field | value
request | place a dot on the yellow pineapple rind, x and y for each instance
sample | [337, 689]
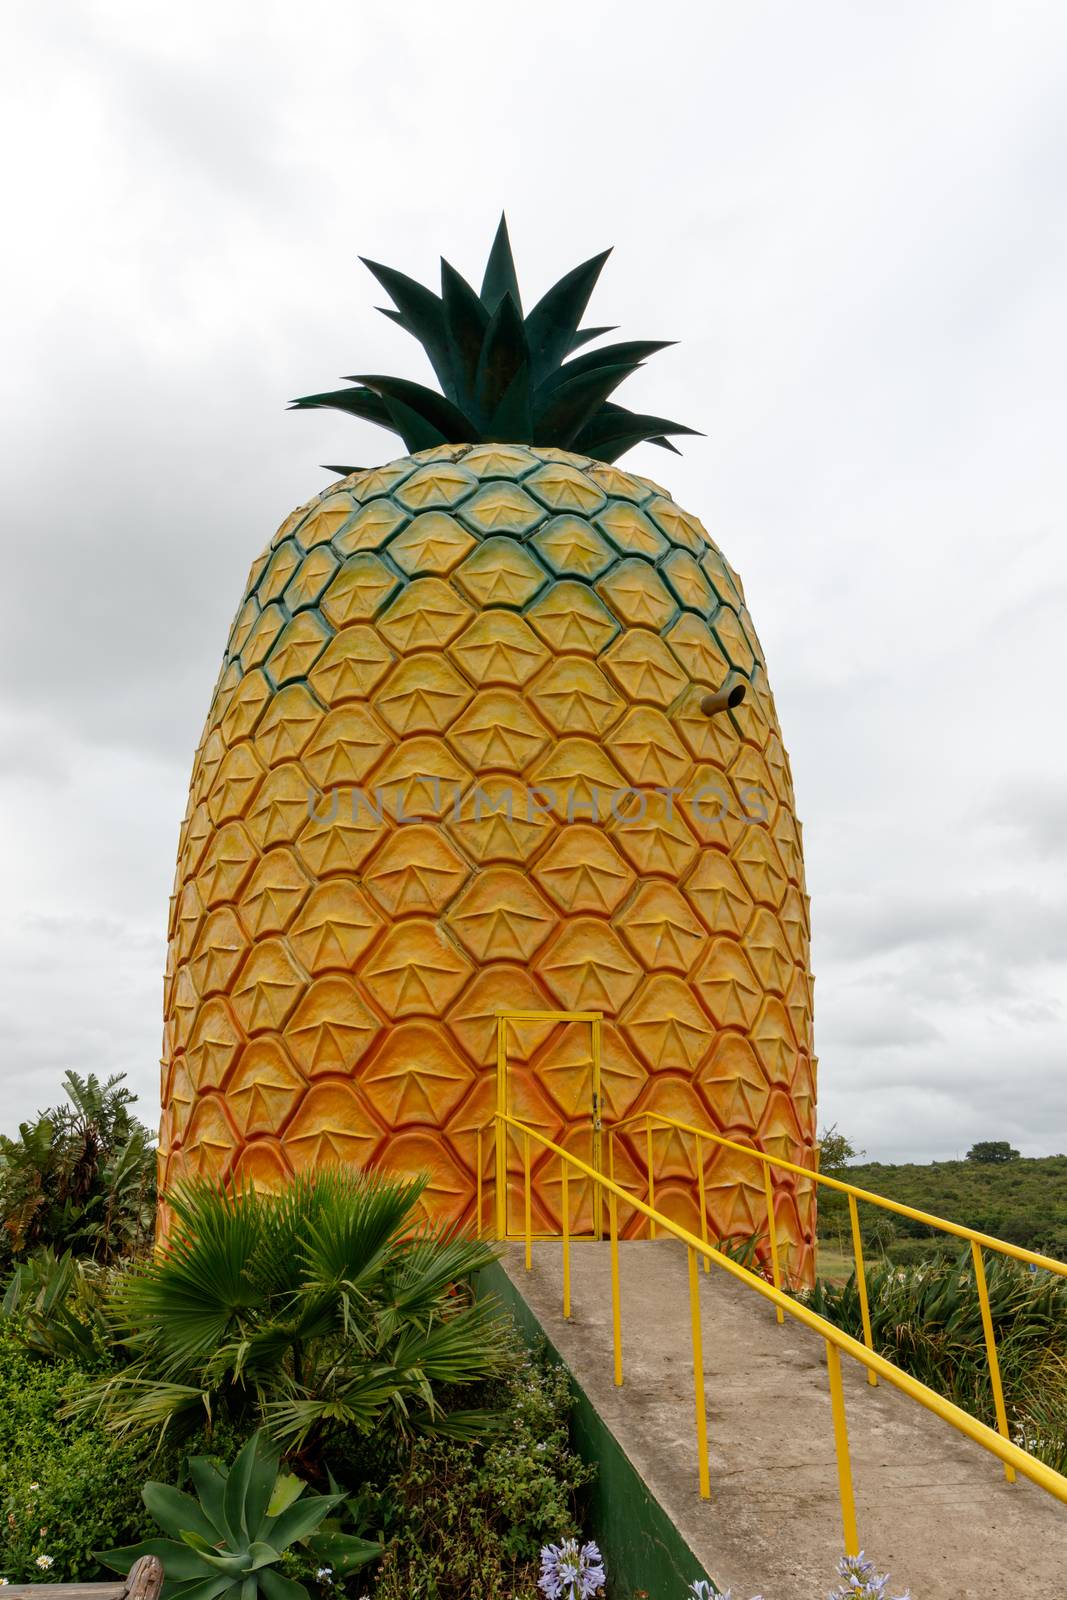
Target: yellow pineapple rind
[493, 618]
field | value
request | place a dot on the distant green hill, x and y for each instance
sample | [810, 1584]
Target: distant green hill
[1023, 1201]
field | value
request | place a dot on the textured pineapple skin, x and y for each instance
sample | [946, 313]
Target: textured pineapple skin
[508, 619]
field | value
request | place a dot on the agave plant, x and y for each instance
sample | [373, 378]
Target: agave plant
[328, 1305]
[228, 1541]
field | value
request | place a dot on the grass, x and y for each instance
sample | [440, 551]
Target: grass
[833, 1263]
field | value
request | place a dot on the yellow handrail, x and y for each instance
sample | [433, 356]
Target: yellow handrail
[986, 1240]
[861, 1271]
[698, 1378]
[837, 1341]
[977, 1240]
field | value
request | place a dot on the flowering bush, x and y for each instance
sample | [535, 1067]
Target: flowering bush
[63, 1489]
[859, 1581]
[571, 1572]
[67, 1486]
[708, 1589]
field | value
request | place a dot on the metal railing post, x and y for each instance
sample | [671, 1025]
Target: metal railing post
[844, 1465]
[500, 1129]
[566, 1245]
[478, 1143]
[616, 1308]
[772, 1233]
[991, 1350]
[703, 1200]
[596, 1043]
[861, 1282]
[503, 1119]
[527, 1204]
[698, 1378]
[651, 1180]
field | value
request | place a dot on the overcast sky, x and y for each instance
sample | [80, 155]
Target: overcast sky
[851, 215]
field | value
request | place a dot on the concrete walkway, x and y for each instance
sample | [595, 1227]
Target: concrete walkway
[933, 1508]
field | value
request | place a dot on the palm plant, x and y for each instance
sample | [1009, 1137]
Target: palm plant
[80, 1176]
[326, 1306]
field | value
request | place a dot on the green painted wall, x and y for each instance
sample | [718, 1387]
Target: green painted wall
[644, 1553]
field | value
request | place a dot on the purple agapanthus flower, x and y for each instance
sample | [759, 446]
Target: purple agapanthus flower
[861, 1582]
[708, 1589]
[570, 1573]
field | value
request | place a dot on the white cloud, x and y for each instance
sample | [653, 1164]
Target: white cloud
[853, 220]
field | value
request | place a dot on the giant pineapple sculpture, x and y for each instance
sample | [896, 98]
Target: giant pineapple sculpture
[459, 761]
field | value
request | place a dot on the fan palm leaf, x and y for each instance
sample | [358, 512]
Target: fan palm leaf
[328, 1304]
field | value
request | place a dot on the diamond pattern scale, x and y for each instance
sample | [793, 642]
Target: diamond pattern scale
[456, 764]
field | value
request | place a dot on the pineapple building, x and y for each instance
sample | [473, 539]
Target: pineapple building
[469, 755]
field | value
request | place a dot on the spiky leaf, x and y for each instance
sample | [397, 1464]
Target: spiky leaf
[344, 1552]
[500, 276]
[210, 1486]
[209, 1588]
[421, 311]
[180, 1563]
[503, 377]
[179, 1513]
[288, 1487]
[278, 1587]
[554, 320]
[302, 1518]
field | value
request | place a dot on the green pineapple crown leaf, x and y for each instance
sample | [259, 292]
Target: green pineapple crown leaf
[504, 378]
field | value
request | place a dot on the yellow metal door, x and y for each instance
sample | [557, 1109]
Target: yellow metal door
[548, 1094]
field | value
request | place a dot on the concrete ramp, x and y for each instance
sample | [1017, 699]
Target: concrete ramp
[932, 1507]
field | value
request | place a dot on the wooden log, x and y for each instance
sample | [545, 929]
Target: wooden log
[65, 1591]
[143, 1582]
[145, 1579]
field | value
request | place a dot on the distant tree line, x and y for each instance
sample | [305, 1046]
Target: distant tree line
[1020, 1199]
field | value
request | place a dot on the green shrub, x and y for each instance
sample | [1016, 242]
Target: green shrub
[461, 1518]
[67, 1476]
[56, 1306]
[63, 1490]
[470, 1519]
[329, 1315]
[1023, 1200]
[915, 1252]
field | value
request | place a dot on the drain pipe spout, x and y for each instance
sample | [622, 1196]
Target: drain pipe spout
[725, 699]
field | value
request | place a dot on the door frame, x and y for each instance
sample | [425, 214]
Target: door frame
[503, 1018]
